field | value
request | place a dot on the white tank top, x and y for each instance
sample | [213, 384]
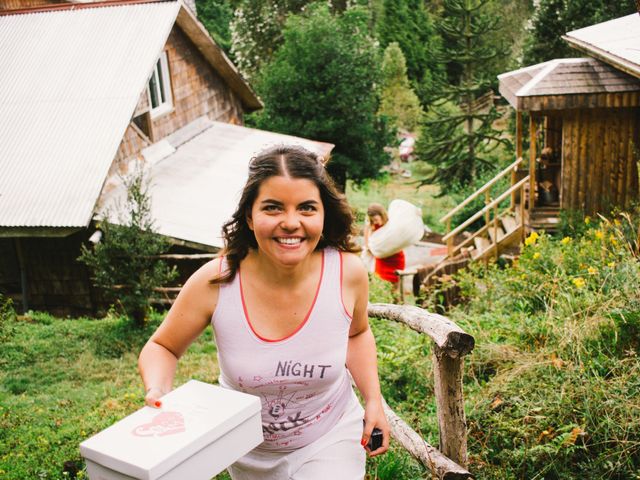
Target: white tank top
[301, 379]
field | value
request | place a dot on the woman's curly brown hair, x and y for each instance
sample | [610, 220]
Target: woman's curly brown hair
[295, 162]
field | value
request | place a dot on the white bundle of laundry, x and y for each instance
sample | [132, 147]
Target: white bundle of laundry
[404, 228]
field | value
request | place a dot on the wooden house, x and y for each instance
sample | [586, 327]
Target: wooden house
[90, 89]
[583, 119]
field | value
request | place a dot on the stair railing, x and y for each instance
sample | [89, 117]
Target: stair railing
[486, 210]
[486, 189]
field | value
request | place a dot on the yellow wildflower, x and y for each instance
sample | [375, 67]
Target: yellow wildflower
[536, 255]
[613, 239]
[617, 222]
[579, 282]
[531, 239]
[599, 234]
[587, 220]
[592, 270]
[611, 264]
[565, 240]
[523, 276]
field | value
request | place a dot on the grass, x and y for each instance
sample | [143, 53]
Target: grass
[62, 380]
[390, 187]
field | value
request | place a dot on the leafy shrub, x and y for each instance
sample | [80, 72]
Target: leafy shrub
[552, 386]
[7, 318]
[125, 264]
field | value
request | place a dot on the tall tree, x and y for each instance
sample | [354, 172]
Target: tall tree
[408, 23]
[459, 133]
[257, 29]
[216, 16]
[322, 83]
[554, 18]
[399, 101]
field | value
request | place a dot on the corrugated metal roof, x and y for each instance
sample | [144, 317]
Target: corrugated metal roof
[566, 76]
[70, 82]
[197, 188]
[616, 42]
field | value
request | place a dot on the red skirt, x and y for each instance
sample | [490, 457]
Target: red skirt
[385, 267]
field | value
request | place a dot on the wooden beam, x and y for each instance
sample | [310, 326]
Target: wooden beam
[448, 336]
[441, 466]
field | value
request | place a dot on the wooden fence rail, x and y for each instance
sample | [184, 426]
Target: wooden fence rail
[450, 345]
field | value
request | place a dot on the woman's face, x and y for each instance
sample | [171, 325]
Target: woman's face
[287, 218]
[376, 220]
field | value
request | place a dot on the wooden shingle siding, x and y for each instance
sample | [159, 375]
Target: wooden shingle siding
[18, 4]
[599, 159]
[197, 89]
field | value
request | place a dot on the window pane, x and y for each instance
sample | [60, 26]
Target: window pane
[161, 83]
[153, 90]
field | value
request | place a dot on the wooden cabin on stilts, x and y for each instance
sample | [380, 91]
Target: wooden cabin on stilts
[577, 146]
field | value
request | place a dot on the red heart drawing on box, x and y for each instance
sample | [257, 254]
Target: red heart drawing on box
[165, 423]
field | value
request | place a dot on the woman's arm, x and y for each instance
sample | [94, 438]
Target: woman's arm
[188, 317]
[361, 352]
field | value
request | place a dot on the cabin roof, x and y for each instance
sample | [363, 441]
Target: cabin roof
[71, 78]
[196, 176]
[580, 78]
[615, 42]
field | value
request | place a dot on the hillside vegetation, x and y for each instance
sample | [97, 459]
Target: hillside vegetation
[552, 388]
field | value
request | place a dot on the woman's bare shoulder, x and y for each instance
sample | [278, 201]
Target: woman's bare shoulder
[353, 270]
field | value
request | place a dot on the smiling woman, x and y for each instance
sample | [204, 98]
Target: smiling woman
[288, 305]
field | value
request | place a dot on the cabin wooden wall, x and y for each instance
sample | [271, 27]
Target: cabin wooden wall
[599, 159]
[197, 90]
[56, 282]
[18, 4]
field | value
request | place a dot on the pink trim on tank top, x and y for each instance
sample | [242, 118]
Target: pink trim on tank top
[341, 297]
[299, 327]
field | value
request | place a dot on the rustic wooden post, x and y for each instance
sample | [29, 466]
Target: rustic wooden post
[521, 224]
[495, 228]
[514, 177]
[450, 344]
[449, 240]
[532, 162]
[447, 372]
[487, 201]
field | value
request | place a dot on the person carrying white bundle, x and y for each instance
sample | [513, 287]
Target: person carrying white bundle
[387, 235]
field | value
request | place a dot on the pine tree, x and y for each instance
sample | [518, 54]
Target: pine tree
[409, 24]
[457, 135]
[398, 100]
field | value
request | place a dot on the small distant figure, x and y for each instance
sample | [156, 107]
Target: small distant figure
[385, 267]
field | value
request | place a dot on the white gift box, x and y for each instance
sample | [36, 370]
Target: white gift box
[200, 430]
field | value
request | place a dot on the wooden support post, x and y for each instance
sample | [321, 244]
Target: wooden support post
[495, 229]
[450, 240]
[514, 177]
[487, 201]
[532, 163]
[430, 457]
[450, 405]
[521, 224]
[24, 285]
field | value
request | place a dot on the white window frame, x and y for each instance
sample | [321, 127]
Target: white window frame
[159, 88]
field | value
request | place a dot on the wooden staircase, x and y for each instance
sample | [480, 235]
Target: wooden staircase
[545, 218]
[503, 228]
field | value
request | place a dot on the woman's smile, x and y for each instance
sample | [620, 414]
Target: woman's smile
[287, 218]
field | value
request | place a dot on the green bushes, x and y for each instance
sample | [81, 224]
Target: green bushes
[552, 388]
[125, 264]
